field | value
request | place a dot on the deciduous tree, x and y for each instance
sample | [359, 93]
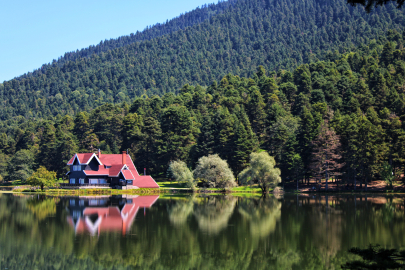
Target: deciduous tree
[326, 153]
[261, 171]
[42, 177]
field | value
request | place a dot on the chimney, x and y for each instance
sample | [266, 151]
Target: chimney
[124, 157]
[144, 171]
[99, 153]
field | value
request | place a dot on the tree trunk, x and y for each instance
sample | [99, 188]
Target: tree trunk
[365, 184]
[354, 175]
[42, 188]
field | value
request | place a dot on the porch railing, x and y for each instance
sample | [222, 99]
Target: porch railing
[83, 185]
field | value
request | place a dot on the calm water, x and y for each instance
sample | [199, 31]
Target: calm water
[195, 232]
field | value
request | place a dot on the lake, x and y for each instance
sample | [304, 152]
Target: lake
[194, 232]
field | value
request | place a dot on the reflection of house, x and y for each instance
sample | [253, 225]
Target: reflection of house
[106, 170]
[95, 215]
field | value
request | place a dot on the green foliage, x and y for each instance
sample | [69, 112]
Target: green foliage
[42, 177]
[20, 166]
[361, 95]
[198, 47]
[261, 171]
[214, 172]
[181, 173]
[387, 174]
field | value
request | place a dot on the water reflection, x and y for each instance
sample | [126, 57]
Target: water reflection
[106, 214]
[262, 215]
[193, 232]
[213, 213]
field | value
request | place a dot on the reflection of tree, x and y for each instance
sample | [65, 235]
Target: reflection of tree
[213, 213]
[42, 207]
[310, 234]
[179, 212]
[262, 214]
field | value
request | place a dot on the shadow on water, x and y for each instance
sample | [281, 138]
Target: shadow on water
[120, 232]
[375, 257]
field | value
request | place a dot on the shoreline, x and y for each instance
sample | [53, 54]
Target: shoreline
[174, 191]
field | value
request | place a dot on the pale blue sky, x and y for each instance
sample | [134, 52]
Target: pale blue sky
[33, 33]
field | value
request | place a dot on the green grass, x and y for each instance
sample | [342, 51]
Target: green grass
[171, 184]
[253, 189]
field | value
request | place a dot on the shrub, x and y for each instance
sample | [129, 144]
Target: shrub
[182, 174]
[215, 172]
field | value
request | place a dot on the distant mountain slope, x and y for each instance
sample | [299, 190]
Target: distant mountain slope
[191, 18]
[273, 33]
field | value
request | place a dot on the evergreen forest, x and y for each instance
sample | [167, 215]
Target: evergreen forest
[350, 106]
[196, 48]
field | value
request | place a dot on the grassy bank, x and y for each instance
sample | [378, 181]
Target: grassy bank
[176, 186]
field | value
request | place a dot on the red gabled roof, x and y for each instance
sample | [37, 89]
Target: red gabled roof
[115, 170]
[128, 175]
[145, 182]
[99, 172]
[83, 158]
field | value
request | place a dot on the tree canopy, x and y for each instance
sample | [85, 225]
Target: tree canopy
[261, 171]
[42, 177]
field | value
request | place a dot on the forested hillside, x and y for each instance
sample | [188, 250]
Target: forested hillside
[278, 34]
[183, 21]
[354, 103]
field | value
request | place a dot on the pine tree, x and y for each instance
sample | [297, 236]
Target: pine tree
[255, 110]
[152, 137]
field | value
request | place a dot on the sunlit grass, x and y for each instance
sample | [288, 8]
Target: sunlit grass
[171, 184]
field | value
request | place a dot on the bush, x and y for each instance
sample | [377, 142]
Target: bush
[182, 174]
[214, 172]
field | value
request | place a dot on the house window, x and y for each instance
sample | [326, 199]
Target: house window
[81, 180]
[129, 182]
[77, 168]
[72, 180]
[93, 181]
[102, 181]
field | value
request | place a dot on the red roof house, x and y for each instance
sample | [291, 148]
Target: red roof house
[108, 170]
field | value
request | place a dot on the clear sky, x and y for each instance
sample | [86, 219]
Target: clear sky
[33, 33]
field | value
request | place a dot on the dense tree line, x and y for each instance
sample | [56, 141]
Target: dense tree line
[348, 112]
[236, 38]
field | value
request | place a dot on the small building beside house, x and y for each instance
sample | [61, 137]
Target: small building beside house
[106, 170]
